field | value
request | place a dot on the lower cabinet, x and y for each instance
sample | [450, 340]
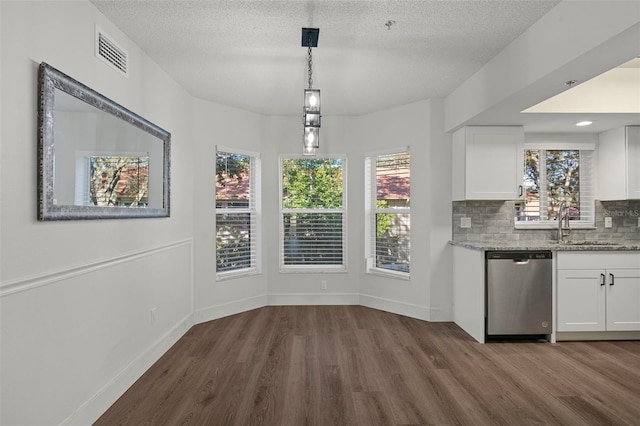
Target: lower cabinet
[468, 291]
[598, 291]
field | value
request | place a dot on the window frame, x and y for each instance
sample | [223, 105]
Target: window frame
[254, 209]
[371, 210]
[341, 268]
[587, 166]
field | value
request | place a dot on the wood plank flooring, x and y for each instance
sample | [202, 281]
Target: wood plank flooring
[351, 365]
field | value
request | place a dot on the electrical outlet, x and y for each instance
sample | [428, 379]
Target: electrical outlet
[153, 315]
[608, 222]
[465, 222]
[323, 285]
[639, 222]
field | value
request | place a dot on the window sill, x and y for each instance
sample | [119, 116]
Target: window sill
[229, 275]
[406, 276]
[312, 270]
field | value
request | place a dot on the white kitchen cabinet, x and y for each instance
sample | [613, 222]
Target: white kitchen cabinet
[598, 291]
[468, 291]
[619, 164]
[488, 163]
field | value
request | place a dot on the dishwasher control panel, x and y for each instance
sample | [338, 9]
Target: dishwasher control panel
[524, 255]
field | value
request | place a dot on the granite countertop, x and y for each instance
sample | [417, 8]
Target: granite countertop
[550, 245]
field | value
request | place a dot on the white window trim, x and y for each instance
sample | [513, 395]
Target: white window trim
[256, 176]
[370, 223]
[579, 146]
[297, 269]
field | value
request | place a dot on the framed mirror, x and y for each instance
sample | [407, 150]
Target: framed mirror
[97, 159]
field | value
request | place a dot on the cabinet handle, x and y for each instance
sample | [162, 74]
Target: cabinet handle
[601, 279]
[520, 191]
[611, 279]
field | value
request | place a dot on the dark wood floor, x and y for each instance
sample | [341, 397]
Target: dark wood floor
[351, 365]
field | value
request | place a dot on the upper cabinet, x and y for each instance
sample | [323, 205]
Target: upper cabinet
[488, 163]
[619, 164]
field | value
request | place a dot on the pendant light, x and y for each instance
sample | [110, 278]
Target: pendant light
[311, 104]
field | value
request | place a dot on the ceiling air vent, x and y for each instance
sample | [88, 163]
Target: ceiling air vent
[111, 53]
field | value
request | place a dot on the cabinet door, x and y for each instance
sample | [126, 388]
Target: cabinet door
[633, 162]
[623, 299]
[612, 165]
[619, 164]
[581, 300]
[494, 163]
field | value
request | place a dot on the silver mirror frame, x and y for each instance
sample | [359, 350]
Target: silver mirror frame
[50, 79]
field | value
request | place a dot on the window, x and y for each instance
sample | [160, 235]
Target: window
[313, 214]
[553, 176]
[387, 210]
[237, 213]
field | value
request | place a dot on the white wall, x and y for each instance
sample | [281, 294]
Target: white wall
[427, 294]
[284, 136]
[76, 296]
[219, 125]
[440, 216]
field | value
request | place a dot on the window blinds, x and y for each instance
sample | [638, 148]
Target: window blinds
[388, 199]
[237, 214]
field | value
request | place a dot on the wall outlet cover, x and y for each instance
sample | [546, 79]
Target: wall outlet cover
[608, 222]
[639, 222]
[465, 222]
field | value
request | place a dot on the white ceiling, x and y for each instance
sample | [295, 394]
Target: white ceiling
[609, 92]
[248, 54]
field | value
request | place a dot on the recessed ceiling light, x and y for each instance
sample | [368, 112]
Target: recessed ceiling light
[584, 123]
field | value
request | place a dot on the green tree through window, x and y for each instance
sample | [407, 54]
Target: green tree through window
[550, 178]
[312, 212]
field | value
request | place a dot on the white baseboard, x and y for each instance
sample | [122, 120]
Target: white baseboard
[95, 406]
[440, 314]
[313, 299]
[393, 306]
[211, 313]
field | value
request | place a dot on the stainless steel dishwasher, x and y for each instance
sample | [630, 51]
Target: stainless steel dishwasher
[518, 294]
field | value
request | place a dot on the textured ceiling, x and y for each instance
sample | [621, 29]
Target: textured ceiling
[248, 54]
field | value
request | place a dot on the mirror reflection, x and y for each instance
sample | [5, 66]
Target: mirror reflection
[98, 160]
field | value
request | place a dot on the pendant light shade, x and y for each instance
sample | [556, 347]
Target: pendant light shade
[312, 108]
[311, 137]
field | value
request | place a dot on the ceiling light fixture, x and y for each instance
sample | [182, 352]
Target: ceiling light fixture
[311, 107]
[584, 123]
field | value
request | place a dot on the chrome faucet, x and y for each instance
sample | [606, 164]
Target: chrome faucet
[561, 229]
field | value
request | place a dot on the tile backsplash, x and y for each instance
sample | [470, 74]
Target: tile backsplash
[494, 220]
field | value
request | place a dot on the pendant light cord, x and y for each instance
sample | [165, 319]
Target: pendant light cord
[310, 63]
